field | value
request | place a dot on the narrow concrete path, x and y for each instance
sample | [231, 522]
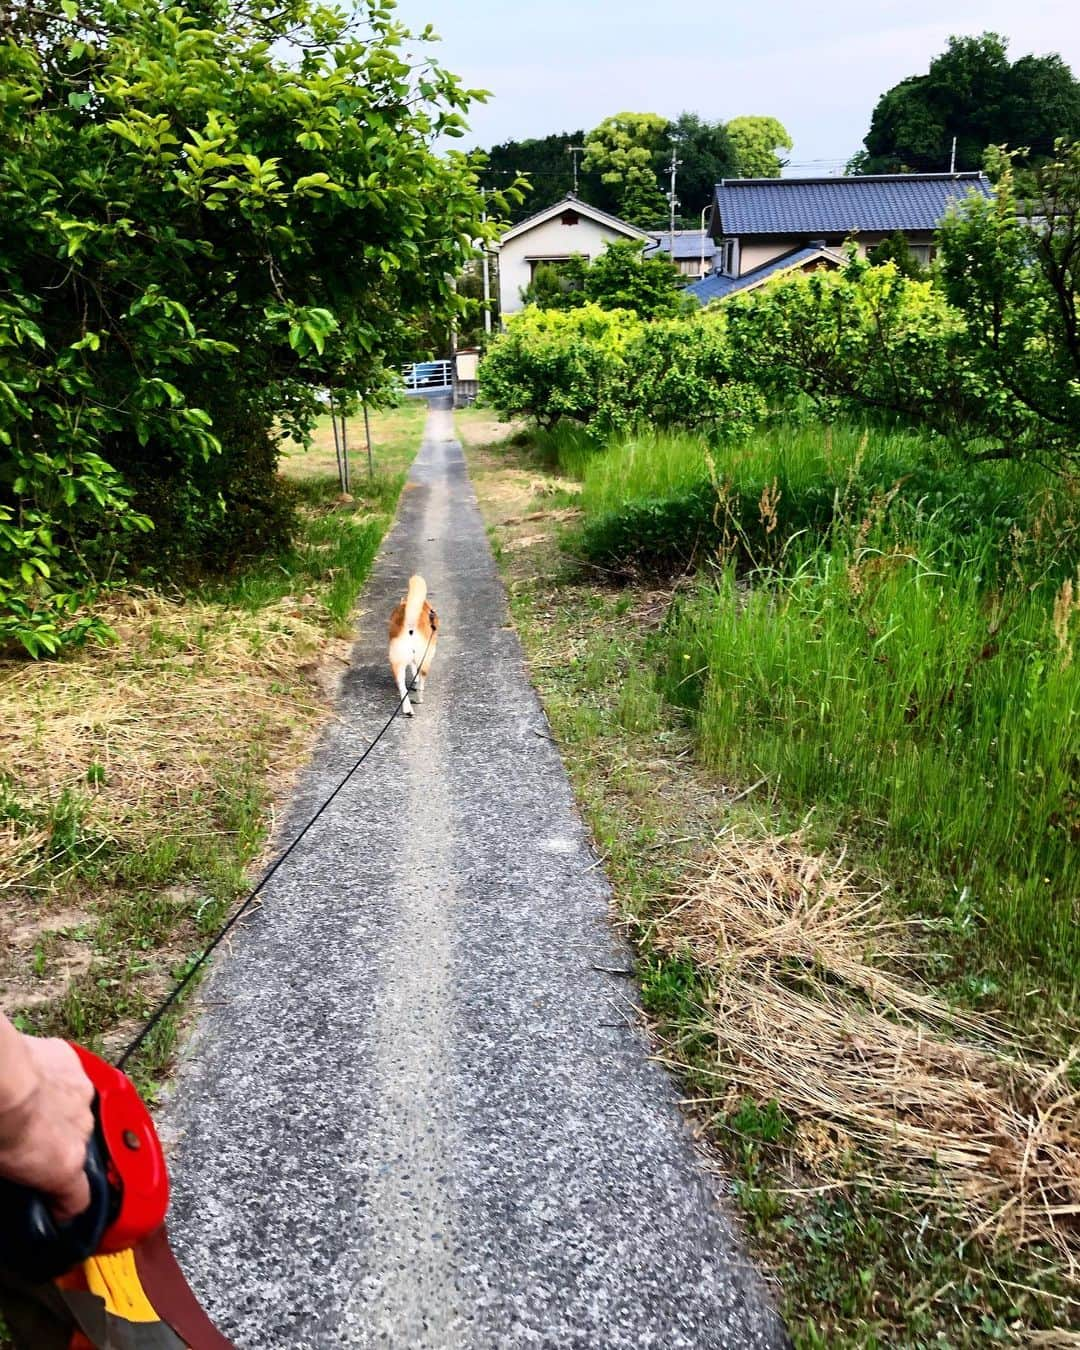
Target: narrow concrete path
[414, 1113]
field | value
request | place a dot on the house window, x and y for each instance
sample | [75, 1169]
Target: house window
[921, 253]
[569, 217]
[557, 263]
[724, 257]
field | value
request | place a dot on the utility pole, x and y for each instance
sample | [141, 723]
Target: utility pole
[573, 151]
[673, 201]
[952, 161]
[487, 277]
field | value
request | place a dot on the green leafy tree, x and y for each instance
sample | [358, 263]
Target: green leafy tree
[1015, 279]
[896, 250]
[557, 285]
[620, 278]
[547, 167]
[757, 143]
[707, 155]
[863, 337]
[624, 150]
[974, 93]
[211, 213]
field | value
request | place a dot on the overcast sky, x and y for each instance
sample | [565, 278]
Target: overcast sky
[820, 68]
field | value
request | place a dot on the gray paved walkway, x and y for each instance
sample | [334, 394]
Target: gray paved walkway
[413, 1114]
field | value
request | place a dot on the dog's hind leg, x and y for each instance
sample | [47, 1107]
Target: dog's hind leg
[398, 669]
[422, 677]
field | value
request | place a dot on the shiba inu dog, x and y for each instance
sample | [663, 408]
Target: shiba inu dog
[414, 628]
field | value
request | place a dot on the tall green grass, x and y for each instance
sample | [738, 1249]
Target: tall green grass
[642, 466]
[926, 713]
[877, 638]
[658, 503]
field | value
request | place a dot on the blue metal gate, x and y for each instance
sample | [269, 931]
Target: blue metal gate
[422, 378]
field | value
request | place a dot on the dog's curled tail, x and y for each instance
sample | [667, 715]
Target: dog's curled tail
[414, 602]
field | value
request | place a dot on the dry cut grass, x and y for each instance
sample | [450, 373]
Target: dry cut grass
[146, 740]
[885, 1084]
[152, 711]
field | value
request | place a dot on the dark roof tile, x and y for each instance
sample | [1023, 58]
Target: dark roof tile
[717, 286]
[687, 244]
[839, 206]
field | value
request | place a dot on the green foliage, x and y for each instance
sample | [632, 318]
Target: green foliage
[985, 352]
[623, 150]
[757, 142]
[552, 363]
[895, 249]
[626, 169]
[547, 167]
[974, 93]
[200, 232]
[608, 369]
[685, 372]
[862, 336]
[1016, 285]
[707, 152]
[620, 278]
[990, 357]
[557, 285]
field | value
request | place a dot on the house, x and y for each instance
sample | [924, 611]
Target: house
[719, 285]
[555, 235]
[764, 226]
[691, 251]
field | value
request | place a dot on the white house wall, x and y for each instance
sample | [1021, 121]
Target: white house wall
[754, 255]
[551, 240]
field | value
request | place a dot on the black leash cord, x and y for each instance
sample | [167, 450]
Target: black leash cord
[222, 932]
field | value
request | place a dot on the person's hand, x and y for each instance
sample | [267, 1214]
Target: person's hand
[43, 1136]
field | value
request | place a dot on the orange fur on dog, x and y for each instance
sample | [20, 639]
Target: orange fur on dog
[414, 627]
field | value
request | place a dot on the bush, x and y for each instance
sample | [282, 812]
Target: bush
[684, 373]
[610, 370]
[200, 234]
[863, 339]
[551, 364]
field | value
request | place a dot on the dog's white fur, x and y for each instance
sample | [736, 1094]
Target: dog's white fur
[413, 630]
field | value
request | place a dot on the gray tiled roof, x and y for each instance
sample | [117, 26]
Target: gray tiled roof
[713, 287]
[716, 286]
[838, 206]
[687, 244]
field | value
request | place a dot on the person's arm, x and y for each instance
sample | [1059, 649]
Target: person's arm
[45, 1118]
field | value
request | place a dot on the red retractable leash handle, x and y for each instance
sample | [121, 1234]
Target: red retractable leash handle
[129, 1188]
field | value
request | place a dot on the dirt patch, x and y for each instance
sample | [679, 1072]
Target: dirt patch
[42, 952]
[476, 428]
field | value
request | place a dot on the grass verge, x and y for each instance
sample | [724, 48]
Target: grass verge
[138, 780]
[906, 1164]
